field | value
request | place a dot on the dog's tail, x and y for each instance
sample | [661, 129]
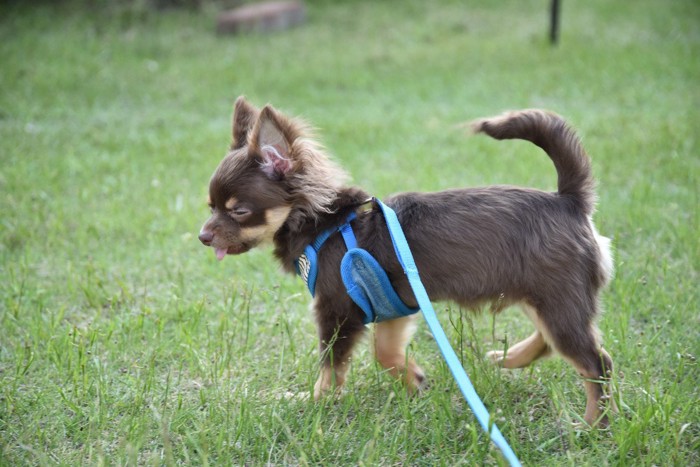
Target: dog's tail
[550, 132]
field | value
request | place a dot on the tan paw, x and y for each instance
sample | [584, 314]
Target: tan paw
[496, 357]
[416, 380]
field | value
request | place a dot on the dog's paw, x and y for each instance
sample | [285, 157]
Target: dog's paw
[289, 395]
[416, 381]
[600, 423]
[328, 385]
[333, 393]
[495, 356]
[320, 391]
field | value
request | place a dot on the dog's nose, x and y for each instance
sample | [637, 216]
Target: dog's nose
[206, 237]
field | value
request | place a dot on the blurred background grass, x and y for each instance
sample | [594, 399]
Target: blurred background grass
[124, 341]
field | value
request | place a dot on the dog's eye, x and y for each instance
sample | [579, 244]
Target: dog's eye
[240, 213]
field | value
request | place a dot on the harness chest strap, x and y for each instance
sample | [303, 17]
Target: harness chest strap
[365, 280]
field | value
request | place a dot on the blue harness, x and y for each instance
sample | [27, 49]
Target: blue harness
[365, 280]
[370, 288]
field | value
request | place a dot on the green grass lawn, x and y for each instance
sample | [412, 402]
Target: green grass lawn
[124, 341]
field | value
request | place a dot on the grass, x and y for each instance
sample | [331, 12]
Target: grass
[123, 341]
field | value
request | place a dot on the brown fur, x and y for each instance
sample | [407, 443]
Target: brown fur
[497, 245]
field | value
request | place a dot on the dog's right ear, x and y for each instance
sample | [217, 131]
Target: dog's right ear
[244, 117]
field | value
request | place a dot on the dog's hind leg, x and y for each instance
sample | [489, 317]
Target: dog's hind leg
[521, 354]
[390, 341]
[571, 332]
[595, 365]
[598, 388]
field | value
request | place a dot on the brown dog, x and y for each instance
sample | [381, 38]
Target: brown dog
[497, 245]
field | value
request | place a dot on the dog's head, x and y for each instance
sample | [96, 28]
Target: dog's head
[273, 174]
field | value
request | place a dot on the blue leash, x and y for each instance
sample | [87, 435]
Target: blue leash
[403, 252]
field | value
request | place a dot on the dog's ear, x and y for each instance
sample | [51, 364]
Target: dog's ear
[244, 116]
[272, 138]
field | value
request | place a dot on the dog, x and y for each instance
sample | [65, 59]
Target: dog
[492, 246]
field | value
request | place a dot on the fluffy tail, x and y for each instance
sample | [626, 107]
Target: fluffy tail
[550, 132]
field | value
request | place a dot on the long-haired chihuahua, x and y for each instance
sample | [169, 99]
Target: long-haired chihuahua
[495, 245]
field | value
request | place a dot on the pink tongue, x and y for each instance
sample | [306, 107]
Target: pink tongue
[220, 253]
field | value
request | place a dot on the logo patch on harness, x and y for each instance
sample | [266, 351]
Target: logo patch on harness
[304, 266]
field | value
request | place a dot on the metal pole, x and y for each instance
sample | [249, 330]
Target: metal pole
[554, 22]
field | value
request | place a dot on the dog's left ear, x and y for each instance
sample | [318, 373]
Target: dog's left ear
[272, 139]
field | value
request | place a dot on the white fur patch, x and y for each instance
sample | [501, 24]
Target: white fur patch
[607, 264]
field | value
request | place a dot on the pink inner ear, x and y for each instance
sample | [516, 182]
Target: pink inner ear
[275, 163]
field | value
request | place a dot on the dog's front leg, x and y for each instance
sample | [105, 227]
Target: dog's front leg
[339, 328]
[390, 341]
